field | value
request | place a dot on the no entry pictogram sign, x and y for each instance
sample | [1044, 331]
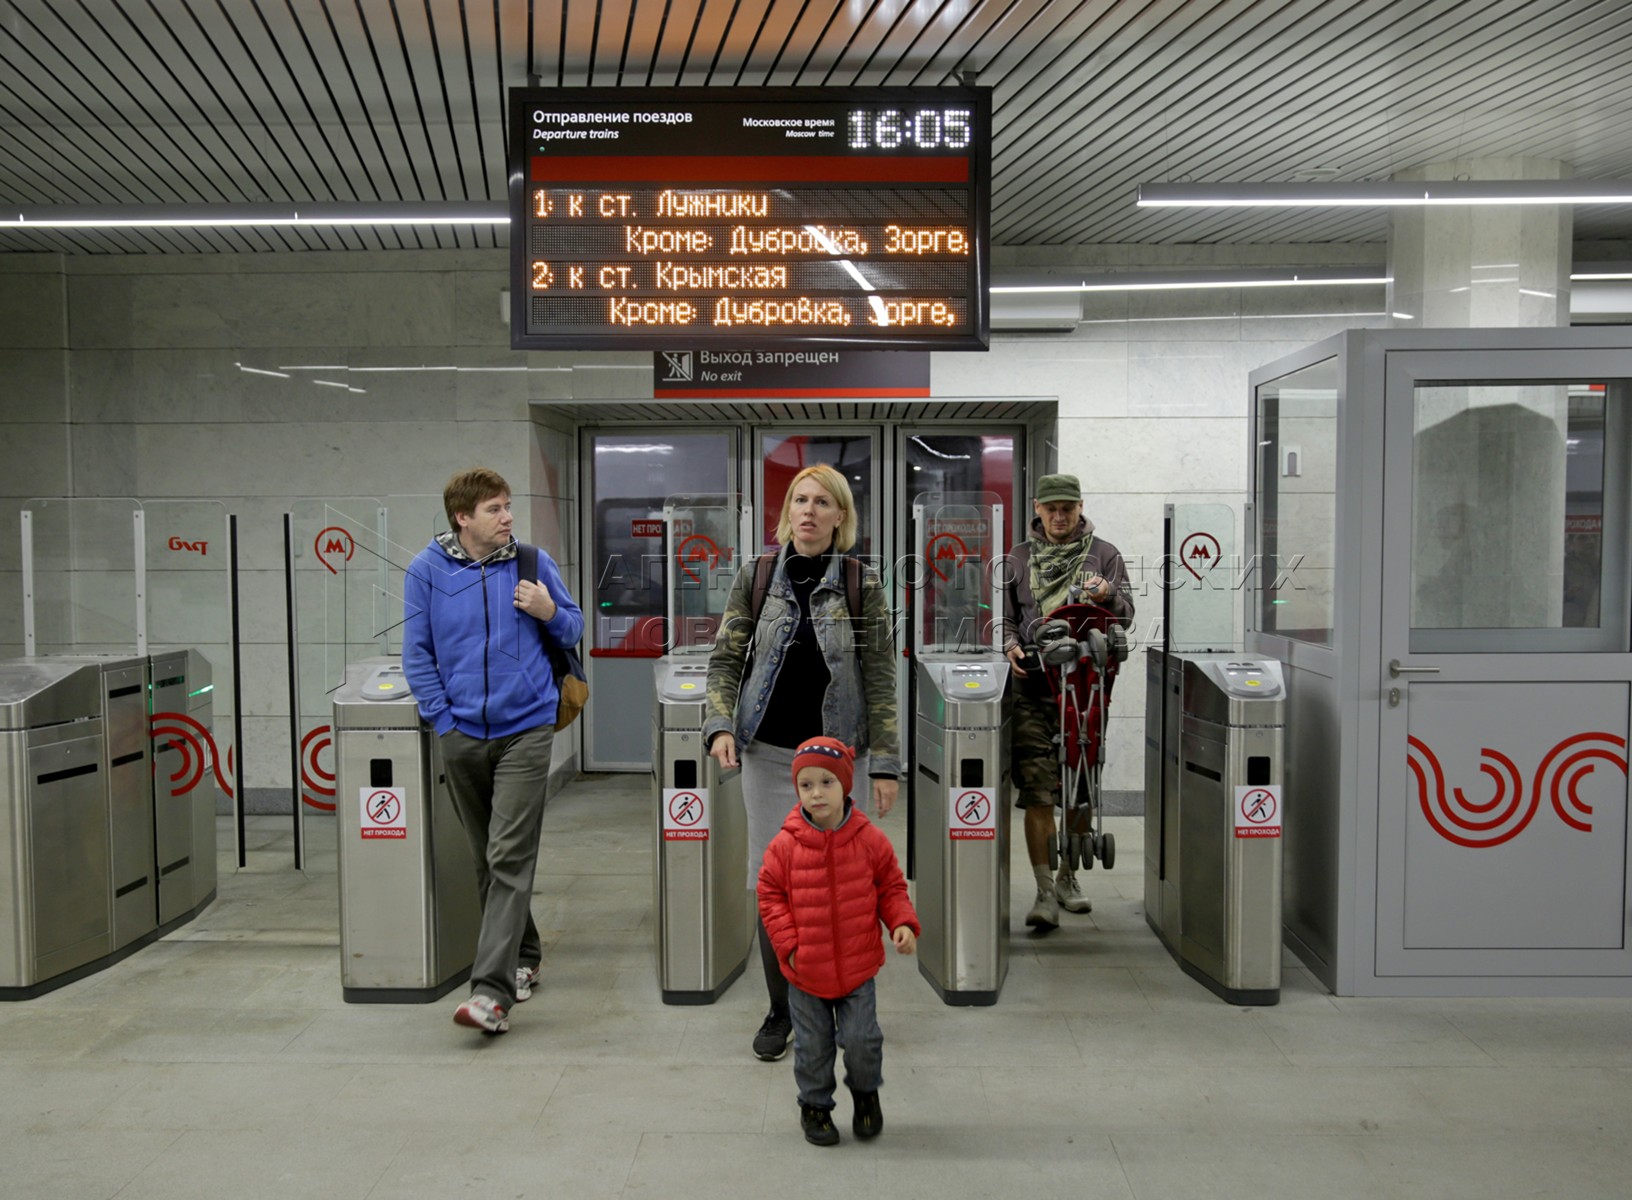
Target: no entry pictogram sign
[685, 814]
[1258, 811]
[973, 814]
[384, 812]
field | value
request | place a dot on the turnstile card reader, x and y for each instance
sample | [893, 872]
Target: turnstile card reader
[701, 888]
[1214, 808]
[961, 824]
[53, 824]
[409, 910]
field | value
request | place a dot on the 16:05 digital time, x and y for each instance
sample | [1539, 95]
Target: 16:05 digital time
[918, 129]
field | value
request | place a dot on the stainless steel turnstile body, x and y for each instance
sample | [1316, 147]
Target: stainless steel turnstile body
[961, 824]
[127, 765]
[409, 911]
[1213, 813]
[184, 821]
[701, 889]
[54, 873]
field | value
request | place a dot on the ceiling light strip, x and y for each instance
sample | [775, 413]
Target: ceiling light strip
[140, 216]
[1385, 193]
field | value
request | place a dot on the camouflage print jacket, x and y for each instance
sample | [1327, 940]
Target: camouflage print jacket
[859, 706]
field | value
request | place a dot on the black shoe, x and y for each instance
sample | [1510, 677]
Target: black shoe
[818, 1126]
[869, 1118]
[771, 1042]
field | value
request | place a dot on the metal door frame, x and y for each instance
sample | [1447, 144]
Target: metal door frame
[1541, 656]
[587, 433]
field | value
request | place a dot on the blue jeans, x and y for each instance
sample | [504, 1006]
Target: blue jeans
[819, 1027]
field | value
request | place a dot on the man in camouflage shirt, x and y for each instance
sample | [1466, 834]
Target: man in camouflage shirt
[1061, 563]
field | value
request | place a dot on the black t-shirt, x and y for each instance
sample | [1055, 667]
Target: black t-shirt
[794, 712]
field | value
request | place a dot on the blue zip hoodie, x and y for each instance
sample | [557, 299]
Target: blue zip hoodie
[474, 660]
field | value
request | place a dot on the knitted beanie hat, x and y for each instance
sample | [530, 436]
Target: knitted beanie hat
[830, 753]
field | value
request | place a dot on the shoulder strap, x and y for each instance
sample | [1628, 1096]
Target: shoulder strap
[527, 561]
[852, 585]
[764, 568]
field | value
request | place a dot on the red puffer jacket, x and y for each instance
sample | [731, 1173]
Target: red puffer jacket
[823, 893]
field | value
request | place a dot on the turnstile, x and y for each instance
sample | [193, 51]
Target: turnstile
[1213, 813]
[961, 823]
[127, 765]
[701, 892]
[183, 783]
[409, 910]
[53, 824]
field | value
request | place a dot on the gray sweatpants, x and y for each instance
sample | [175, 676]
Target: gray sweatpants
[497, 787]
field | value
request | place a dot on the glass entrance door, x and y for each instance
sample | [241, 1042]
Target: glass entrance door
[632, 473]
[1502, 701]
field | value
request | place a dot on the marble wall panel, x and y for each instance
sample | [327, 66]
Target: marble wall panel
[35, 459]
[491, 385]
[33, 307]
[1091, 379]
[621, 376]
[408, 309]
[35, 385]
[1206, 454]
[479, 318]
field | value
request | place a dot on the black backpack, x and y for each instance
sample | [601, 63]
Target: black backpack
[565, 665]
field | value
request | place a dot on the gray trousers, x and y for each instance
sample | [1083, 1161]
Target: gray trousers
[820, 1027]
[497, 787]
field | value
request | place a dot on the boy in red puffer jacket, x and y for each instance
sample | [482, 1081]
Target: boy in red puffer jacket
[829, 877]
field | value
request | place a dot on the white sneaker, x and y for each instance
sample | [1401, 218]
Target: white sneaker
[482, 1012]
[1069, 894]
[525, 978]
[1045, 911]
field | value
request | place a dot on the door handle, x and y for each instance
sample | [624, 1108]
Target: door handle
[1395, 670]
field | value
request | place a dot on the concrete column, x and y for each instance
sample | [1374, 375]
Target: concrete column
[1480, 265]
[1488, 462]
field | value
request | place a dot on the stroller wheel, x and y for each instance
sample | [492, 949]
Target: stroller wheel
[1085, 853]
[1053, 852]
[1107, 850]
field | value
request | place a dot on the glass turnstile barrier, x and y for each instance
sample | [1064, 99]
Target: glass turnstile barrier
[702, 895]
[960, 747]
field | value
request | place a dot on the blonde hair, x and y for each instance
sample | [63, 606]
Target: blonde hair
[831, 481]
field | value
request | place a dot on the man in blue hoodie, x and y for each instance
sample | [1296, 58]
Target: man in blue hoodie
[473, 649]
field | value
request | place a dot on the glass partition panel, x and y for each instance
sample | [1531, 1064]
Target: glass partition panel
[1297, 503]
[959, 606]
[704, 537]
[82, 567]
[1202, 578]
[1509, 520]
[189, 607]
[347, 586]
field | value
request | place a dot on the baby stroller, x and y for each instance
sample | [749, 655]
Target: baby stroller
[1081, 646]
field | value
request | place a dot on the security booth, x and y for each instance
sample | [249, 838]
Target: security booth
[703, 899]
[960, 747]
[1442, 520]
[409, 909]
[53, 825]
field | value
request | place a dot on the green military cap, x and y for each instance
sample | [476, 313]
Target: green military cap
[1059, 487]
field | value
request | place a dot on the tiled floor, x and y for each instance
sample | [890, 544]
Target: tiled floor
[222, 1062]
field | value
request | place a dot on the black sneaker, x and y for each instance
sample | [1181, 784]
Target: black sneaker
[869, 1118]
[771, 1042]
[818, 1126]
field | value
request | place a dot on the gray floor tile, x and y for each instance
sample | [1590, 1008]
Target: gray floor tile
[465, 1162]
[223, 1060]
[61, 1165]
[650, 1098]
[1245, 1166]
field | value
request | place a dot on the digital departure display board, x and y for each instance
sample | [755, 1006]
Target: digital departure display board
[642, 218]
